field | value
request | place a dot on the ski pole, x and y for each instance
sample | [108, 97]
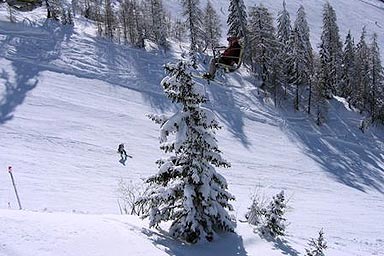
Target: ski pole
[14, 186]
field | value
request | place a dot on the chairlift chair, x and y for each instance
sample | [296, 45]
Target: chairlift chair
[229, 68]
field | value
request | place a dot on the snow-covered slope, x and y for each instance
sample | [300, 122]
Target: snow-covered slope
[67, 99]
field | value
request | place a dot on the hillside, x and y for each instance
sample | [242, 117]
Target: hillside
[351, 15]
[68, 98]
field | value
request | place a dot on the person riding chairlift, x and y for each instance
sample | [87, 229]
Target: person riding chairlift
[229, 57]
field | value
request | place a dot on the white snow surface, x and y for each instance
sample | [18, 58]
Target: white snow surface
[68, 98]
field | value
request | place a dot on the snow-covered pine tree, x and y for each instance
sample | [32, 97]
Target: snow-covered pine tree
[359, 98]
[275, 222]
[109, 20]
[263, 44]
[238, 26]
[237, 18]
[348, 84]
[284, 27]
[375, 88]
[256, 212]
[178, 29]
[152, 21]
[319, 91]
[317, 247]
[284, 30]
[330, 51]
[187, 190]
[143, 23]
[301, 59]
[193, 14]
[212, 27]
[98, 17]
[158, 22]
[128, 12]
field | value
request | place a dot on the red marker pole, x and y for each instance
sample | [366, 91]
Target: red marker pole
[14, 185]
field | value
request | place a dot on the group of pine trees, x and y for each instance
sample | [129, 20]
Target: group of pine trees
[285, 61]
[129, 21]
[282, 57]
[133, 21]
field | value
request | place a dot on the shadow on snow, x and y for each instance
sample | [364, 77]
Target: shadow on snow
[349, 156]
[41, 46]
[279, 243]
[96, 58]
[229, 244]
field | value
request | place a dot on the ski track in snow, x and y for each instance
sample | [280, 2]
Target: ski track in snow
[68, 99]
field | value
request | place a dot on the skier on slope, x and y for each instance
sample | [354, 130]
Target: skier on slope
[122, 151]
[230, 57]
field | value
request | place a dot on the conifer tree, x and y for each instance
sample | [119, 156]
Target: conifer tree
[317, 247]
[193, 14]
[301, 59]
[237, 18]
[256, 212]
[211, 26]
[348, 84]
[359, 99]
[96, 15]
[238, 26]
[158, 22]
[123, 16]
[330, 51]
[179, 29]
[376, 82]
[109, 20]
[129, 10]
[284, 31]
[187, 190]
[275, 222]
[263, 43]
[284, 26]
[319, 91]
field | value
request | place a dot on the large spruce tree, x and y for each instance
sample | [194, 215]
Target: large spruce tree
[330, 51]
[263, 44]
[301, 58]
[237, 18]
[193, 14]
[284, 30]
[375, 86]
[212, 30]
[348, 82]
[187, 190]
[360, 97]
